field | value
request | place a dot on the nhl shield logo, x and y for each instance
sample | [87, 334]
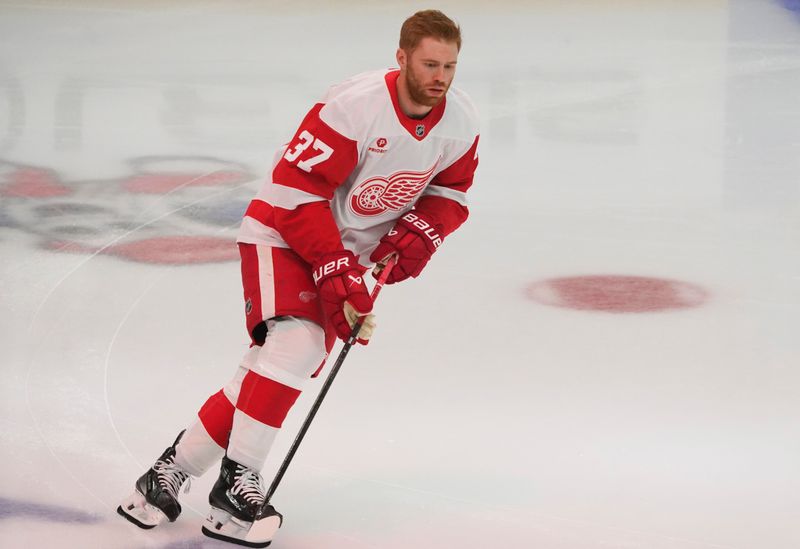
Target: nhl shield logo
[420, 130]
[248, 306]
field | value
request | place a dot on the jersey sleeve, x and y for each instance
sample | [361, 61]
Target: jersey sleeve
[445, 198]
[317, 160]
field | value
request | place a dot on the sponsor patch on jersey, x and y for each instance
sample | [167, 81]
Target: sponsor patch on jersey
[380, 194]
[379, 146]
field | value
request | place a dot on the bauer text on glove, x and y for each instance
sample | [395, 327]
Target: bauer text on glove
[340, 279]
[413, 239]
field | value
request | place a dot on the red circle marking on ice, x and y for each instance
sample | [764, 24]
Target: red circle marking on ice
[160, 183]
[178, 250]
[617, 293]
[34, 183]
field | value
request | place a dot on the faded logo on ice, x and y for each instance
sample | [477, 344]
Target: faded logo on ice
[171, 210]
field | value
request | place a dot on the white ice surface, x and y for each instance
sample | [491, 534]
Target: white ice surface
[657, 139]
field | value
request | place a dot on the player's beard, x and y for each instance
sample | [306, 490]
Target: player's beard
[418, 92]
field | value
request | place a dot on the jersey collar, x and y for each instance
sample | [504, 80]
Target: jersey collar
[418, 128]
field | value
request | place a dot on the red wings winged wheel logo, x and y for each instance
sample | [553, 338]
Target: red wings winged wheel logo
[379, 194]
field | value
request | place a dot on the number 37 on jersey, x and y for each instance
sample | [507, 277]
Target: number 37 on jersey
[308, 140]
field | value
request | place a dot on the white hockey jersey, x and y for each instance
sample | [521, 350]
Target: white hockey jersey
[357, 163]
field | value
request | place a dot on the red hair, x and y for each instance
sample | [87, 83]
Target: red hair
[428, 23]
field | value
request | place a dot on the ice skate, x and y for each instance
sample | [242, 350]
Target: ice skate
[239, 511]
[156, 496]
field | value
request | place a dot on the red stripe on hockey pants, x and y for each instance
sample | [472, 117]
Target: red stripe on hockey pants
[217, 417]
[265, 400]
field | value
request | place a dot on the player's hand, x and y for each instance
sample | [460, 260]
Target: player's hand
[413, 239]
[340, 279]
[368, 323]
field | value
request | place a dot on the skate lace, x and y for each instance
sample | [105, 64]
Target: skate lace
[171, 477]
[250, 485]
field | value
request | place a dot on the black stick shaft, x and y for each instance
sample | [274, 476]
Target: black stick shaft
[326, 387]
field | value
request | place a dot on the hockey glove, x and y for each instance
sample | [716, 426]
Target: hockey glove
[340, 280]
[413, 239]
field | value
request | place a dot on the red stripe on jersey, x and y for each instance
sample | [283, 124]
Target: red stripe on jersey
[266, 400]
[446, 213]
[318, 158]
[216, 415]
[309, 230]
[412, 124]
[261, 212]
[459, 175]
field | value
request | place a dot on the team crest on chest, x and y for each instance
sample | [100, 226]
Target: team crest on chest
[380, 194]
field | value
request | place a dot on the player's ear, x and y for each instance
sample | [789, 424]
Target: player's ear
[402, 58]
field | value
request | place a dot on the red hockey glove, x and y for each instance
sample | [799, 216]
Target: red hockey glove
[413, 239]
[340, 279]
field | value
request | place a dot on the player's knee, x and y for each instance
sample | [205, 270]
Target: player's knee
[292, 351]
[304, 339]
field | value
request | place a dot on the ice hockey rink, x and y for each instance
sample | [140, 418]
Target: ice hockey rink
[606, 356]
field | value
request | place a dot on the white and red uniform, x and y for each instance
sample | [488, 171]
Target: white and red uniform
[357, 152]
[355, 165]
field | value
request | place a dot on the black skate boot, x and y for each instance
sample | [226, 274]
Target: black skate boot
[239, 511]
[156, 494]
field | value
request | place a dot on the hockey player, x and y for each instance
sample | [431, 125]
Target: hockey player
[379, 167]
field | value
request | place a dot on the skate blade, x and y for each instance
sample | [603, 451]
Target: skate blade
[225, 527]
[136, 510]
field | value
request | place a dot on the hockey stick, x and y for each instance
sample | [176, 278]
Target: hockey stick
[384, 274]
